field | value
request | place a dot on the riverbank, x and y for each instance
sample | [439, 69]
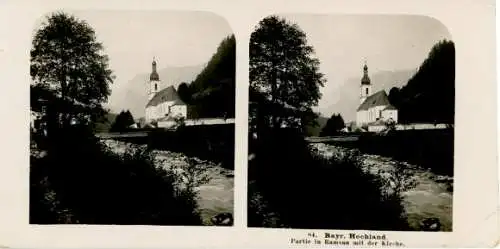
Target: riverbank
[215, 196]
[431, 197]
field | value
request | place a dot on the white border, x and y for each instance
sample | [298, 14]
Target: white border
[470, 22]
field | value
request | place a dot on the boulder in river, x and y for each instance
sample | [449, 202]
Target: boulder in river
[223, 219]
[430, 224]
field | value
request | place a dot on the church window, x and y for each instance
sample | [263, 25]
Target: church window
[156, 87]
[366, 91]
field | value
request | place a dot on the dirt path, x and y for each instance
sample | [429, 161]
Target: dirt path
[432, 197]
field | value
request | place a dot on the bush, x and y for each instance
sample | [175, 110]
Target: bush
[310, 192]
[81, 180]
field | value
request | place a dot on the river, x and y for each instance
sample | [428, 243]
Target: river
[431, 197]
[214, 197]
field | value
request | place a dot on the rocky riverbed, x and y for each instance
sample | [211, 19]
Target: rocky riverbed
[216, 195]
[430, 198]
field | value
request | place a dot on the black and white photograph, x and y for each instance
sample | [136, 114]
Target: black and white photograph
[132, 118]
[351, 123]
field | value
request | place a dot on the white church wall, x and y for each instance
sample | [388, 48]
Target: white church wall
[178, 110]
[390, 114]
[376, 113]
[361, 117]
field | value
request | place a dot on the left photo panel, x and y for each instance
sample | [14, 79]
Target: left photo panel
[132, 118]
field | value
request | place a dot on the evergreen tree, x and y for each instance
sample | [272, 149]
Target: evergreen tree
[122, 121]
[429, 96]
[333, 126]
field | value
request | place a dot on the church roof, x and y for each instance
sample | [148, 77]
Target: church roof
[167, 94]
[390, 107]
[154, 75]
[365, 80]
[377, 99]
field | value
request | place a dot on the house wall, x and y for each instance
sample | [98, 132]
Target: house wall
[361, 117]
[390, 114]
[375, 113]
[178, 110]
[166, 124]
[158, 111]
[377, 128]
[371, 115]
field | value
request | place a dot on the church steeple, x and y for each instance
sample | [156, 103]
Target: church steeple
[366, 88]
[154, 75]
[154, 80]
[365, 80]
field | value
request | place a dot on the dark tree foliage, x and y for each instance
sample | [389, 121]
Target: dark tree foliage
[81, 181]
[123, 121]
[183, 91]
[284, 73]
[429, 96]
[212, 93]
[78, 179]
[333, 125]
[302, 190]
[68, 64]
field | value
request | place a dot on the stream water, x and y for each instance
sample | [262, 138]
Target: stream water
[432, 196]
[215, 196]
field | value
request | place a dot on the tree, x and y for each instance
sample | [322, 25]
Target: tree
[122, 121]
[69, 67]
[429, 96]
[213, 91]
[333, 125]
[284, 73]
[184, 93]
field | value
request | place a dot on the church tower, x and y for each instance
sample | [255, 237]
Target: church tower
[154, 81]
[366, 87]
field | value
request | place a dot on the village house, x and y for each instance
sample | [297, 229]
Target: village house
[165, 104]
[374, 109]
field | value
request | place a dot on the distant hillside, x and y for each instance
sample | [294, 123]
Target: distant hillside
[133, 95]
[349, 91]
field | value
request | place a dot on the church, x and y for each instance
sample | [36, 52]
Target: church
[374, 108]
[162, 104]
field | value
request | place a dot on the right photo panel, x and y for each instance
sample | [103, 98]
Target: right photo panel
[351, 123]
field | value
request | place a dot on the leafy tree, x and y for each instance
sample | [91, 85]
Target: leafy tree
[67, 62]
[429, 96]
[284, 73]
[333, 125]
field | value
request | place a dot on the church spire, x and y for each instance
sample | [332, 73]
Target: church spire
[365, 80]
[154, 75]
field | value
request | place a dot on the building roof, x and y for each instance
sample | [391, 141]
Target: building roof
[365, 80]
[167, 94]
[390, 107]
[377, 99]
[154, 75]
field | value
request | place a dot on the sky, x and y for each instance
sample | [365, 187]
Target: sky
[175, 38]
[387, 42]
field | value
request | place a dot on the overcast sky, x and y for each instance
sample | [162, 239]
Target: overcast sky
[175, 38]
[387, 42]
